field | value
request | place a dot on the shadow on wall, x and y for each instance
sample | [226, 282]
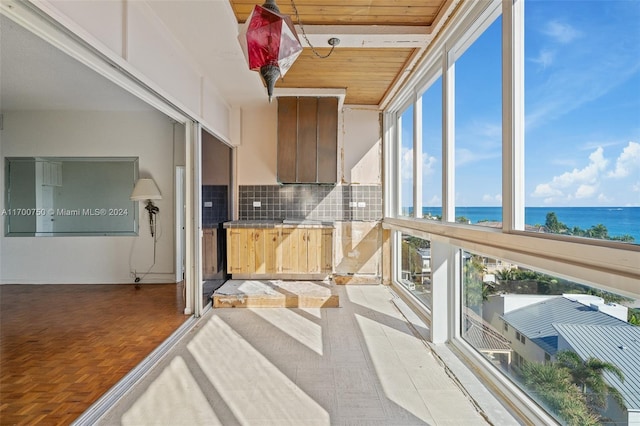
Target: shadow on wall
[358, 252]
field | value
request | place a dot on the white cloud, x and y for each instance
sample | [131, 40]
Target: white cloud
[627, 162]
[583, 180]
[604, 199]
[428, 164]
[561, 32]
[586, 191]
[406, 164]
[466, 156]
[434, 201]
[545, 58]
[488, 198]
[546, 190]
[589, 174]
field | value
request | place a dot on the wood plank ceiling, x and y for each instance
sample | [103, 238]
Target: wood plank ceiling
[367, 73]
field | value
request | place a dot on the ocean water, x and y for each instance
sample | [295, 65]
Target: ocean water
[618, 220]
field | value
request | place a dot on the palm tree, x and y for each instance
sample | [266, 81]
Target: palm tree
[588, 376]
[552, 385]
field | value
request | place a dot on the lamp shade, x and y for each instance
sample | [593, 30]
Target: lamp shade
[145, 189]
[270, 44]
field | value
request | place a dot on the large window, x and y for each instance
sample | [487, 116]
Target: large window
[566, 344]
[432, 151]
[478, 130]
[582, 83]
[415, 272]
[568, 163]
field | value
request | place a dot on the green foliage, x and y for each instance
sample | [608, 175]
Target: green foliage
[475, 290]
[552, 224]
[552, 385]
[417, 242]
[633, 316]
[526, 281]
[599, 231]
[462, 219]
[588, 376]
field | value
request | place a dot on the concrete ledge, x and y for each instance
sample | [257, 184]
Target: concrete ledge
[275, 294]
[357, 279]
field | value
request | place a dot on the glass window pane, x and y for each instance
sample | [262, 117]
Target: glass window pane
[478, 130]
[416, 268]
[582, 109]
[562, 342]
[406, 162]
[432, 151]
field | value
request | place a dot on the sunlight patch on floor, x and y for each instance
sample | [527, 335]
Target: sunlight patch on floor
[301, 329]
[188, 403]
[253, 388]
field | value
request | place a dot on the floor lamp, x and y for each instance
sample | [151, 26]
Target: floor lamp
[146, 189]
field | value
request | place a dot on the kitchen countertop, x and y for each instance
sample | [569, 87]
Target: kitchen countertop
[286, 223]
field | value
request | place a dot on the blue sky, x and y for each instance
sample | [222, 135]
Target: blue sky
[582, 110]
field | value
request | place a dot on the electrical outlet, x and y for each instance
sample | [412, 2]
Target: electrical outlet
[352, 203]
[257, 204]
[362, 204]
[208, 203]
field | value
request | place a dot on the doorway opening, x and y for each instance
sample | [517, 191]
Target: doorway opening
[216, 198]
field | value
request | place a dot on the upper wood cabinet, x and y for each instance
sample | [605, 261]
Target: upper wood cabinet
[307, 139]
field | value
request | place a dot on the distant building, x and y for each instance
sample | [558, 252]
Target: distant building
[530, 326]
[617, 345]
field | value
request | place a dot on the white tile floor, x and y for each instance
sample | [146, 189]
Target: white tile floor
[360, 364]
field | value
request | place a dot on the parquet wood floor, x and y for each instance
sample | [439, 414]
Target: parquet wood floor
[63, 346]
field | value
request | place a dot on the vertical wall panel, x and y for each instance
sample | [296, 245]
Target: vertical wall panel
[307, 139]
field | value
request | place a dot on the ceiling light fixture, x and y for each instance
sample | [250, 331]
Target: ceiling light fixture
[270, 43]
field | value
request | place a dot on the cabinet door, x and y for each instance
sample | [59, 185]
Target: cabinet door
[257, 244]
[327, 251]
[307, 140]
[314, 250]
[287, 139]
[328, 140]
[289, 247]
[209, 252]
[233, 250]
[272, 250]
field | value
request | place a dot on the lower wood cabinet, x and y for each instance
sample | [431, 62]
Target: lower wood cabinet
[209, 253]
[280, 250]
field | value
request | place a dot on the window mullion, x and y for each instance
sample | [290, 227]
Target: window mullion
[417, 158]
[513, 115]
[448, 137]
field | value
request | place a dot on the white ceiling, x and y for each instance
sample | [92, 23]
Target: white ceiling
[35, 76]
[211, 29]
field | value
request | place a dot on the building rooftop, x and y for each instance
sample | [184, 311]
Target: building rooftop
[617, 345]
[536, 322]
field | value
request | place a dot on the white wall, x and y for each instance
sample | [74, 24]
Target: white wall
[359, 146]
[132, 33]
[256, 154]
[147, 135]
[216, 161]
[362, 146]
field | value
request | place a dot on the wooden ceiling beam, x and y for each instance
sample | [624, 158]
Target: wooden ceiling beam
[366, 36]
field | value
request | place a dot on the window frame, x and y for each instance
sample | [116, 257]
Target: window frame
[609, 265]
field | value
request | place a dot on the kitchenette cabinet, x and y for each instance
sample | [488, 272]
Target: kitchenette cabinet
[307, 140]
[209, 253]
[280, 251]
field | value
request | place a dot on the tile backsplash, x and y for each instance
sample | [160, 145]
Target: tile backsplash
[215, 205]
[316, 202]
